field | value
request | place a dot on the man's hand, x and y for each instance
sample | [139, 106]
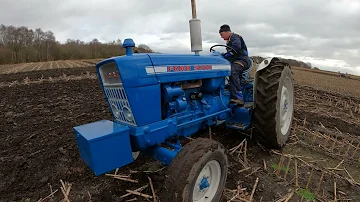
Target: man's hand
[216, 53]
[227, 54]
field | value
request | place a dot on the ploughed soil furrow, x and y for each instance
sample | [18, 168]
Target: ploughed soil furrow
[39, 147]
[45, 74]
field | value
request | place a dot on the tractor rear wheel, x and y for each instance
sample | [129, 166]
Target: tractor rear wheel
[274, 104]
[197, 173]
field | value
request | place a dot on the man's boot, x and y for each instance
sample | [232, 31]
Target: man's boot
[237, 101]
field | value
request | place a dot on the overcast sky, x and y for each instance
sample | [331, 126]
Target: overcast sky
[323, 32]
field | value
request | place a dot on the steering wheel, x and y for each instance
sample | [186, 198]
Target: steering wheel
[212, 50]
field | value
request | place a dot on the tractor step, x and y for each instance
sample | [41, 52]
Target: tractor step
[241, 118]
[237, 126]
[246, 105]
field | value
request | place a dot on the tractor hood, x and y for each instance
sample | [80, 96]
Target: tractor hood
[150, 69]
[177, 67]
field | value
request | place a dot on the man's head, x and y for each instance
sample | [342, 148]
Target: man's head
[225, 31]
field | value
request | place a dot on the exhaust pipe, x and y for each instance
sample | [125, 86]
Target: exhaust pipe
[195, 31]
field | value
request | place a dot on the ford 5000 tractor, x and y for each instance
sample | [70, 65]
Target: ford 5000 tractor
[158, 99]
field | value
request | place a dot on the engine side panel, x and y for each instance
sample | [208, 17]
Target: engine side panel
[145, 103]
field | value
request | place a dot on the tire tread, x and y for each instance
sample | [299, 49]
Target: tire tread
[266, 98]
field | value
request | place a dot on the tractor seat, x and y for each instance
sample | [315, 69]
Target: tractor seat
[246, 78]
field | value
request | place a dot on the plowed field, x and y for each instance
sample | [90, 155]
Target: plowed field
[38, 148]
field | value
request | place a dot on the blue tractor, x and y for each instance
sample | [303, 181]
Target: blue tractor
[158, 99]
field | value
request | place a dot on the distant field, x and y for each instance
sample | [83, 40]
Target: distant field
[25, 67]
[326, 73]
[328, 82]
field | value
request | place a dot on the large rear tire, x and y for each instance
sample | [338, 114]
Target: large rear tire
[274, 104]
[197, 173]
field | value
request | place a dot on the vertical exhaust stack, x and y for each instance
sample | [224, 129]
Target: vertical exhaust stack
[195, 31]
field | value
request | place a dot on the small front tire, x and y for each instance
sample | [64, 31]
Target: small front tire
[197, 173]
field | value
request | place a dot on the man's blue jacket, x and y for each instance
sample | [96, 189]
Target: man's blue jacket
[237, 42]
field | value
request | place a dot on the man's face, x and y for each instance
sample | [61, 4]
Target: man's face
[225, 35]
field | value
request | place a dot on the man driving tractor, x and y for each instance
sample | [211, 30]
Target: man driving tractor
[239, 60]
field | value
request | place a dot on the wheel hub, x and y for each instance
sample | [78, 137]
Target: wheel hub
[207, 182]
[204, 183]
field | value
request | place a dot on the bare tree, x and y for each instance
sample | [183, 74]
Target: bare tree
[21, 44]
[144, 48]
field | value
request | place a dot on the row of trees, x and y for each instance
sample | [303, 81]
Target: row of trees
[21, 44]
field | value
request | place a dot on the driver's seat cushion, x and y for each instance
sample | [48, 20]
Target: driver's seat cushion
[245, 76]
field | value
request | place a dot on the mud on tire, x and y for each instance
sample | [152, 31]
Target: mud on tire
[200, 157]
[274, 100]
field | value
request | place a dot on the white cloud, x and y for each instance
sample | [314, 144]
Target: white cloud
[288, 35]
[323, 32]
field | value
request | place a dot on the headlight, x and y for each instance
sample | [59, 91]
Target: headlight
[115, 111]
[127, 113]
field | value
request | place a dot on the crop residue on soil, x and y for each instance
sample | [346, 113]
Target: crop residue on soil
[39, 148]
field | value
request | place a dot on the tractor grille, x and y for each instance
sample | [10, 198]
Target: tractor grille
[115, 93]
[119, 104]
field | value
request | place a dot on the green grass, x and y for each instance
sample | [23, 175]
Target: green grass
[308, 195]
[276, 166]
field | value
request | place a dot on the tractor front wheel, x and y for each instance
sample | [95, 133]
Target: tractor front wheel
[197, 173]
[274, 104]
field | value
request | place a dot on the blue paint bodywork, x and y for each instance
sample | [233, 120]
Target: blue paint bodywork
[103, 140]
[155, 98]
